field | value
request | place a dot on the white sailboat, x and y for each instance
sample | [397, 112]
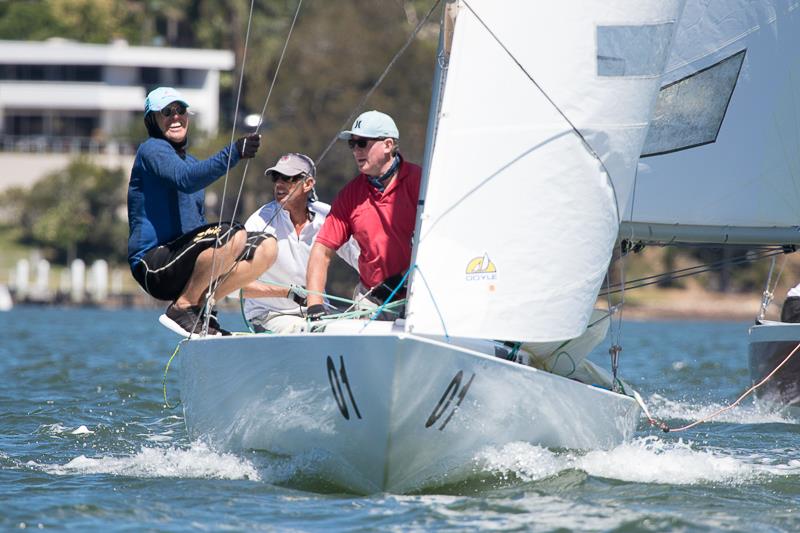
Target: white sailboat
[539, 114]
[6, 303]
[735, 61]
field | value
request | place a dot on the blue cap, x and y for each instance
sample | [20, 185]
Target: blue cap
[372, 124]
[159, 98]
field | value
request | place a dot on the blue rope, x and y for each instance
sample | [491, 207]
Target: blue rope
[379, 310]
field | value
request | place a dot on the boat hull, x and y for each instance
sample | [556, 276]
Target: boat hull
[769, 344]
[389, 412]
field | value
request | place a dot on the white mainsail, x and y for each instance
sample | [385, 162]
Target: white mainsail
[743, 187]
[519, 216]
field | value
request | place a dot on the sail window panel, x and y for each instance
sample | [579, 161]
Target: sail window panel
[690, 111]
[627, 51]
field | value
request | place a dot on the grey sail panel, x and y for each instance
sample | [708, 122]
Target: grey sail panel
[689, 112]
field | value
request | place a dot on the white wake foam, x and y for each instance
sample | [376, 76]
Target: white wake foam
[664, 408]
[198, 461]
[643, 460]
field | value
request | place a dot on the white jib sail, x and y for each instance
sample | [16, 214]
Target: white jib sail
[519, 216]
[744, 186]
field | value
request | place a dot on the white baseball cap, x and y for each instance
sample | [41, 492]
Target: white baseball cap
[371, 125]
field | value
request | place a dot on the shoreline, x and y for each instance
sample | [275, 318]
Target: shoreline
[696, 304]
[664, 304]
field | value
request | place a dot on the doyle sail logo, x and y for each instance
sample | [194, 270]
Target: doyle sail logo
[481, 269]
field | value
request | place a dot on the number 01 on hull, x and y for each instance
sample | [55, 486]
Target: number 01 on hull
[386, 412]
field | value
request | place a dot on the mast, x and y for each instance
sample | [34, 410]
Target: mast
[446, 29]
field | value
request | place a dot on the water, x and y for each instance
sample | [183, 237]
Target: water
[86, 443]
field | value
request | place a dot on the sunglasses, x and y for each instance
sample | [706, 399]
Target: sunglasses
[289, 179]
[172, 109]
[362, 143]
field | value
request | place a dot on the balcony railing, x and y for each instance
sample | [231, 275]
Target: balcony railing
[65, 145]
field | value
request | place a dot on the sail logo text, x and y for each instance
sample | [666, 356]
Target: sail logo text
[481, 269]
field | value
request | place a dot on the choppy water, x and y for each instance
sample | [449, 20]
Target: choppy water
[86, 444]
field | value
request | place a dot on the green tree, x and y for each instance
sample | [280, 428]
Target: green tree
[74, 212]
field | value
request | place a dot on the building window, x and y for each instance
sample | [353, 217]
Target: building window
[24, 125]
[149, 76]
[21, 72]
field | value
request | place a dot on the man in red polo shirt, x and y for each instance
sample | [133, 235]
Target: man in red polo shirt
[378, 208]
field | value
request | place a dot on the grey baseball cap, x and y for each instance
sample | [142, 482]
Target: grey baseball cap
[293, 164]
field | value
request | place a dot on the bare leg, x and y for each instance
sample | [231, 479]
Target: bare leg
[210, 261]
[246, 272]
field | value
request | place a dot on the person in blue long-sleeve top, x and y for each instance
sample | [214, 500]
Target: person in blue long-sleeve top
[174, 253]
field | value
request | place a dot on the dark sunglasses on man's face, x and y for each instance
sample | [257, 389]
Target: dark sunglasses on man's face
[361, 143]
[172, 109]
[289, 179]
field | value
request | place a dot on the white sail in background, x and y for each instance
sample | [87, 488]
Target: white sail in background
[519, 216]
[743, 187]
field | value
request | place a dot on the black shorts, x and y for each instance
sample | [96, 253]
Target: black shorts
[165, 270]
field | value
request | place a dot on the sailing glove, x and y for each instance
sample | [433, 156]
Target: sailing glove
[248, 145]
[297, 293]
[315, 312]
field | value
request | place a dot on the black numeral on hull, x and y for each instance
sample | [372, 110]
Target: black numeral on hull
[336, 379]
[453, 389]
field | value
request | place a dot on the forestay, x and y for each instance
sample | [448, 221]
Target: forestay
[520, 217]
[743, 187]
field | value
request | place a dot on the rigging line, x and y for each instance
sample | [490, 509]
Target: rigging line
[630, 237]
[631, 284]
[211, 285]
[266, 102]
[746, 393]
[377, 83]
[766, 297]
[690, 271]
[769, 295]
[555, 106]
[225, 275]
[386, 302]
[706, 266]
[433, 301]
[166, 371]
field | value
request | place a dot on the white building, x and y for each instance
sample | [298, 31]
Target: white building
[59, 98]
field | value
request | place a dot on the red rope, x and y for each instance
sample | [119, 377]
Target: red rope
[666, 429]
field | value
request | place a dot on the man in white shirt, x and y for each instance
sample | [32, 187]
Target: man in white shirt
[277, 303]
